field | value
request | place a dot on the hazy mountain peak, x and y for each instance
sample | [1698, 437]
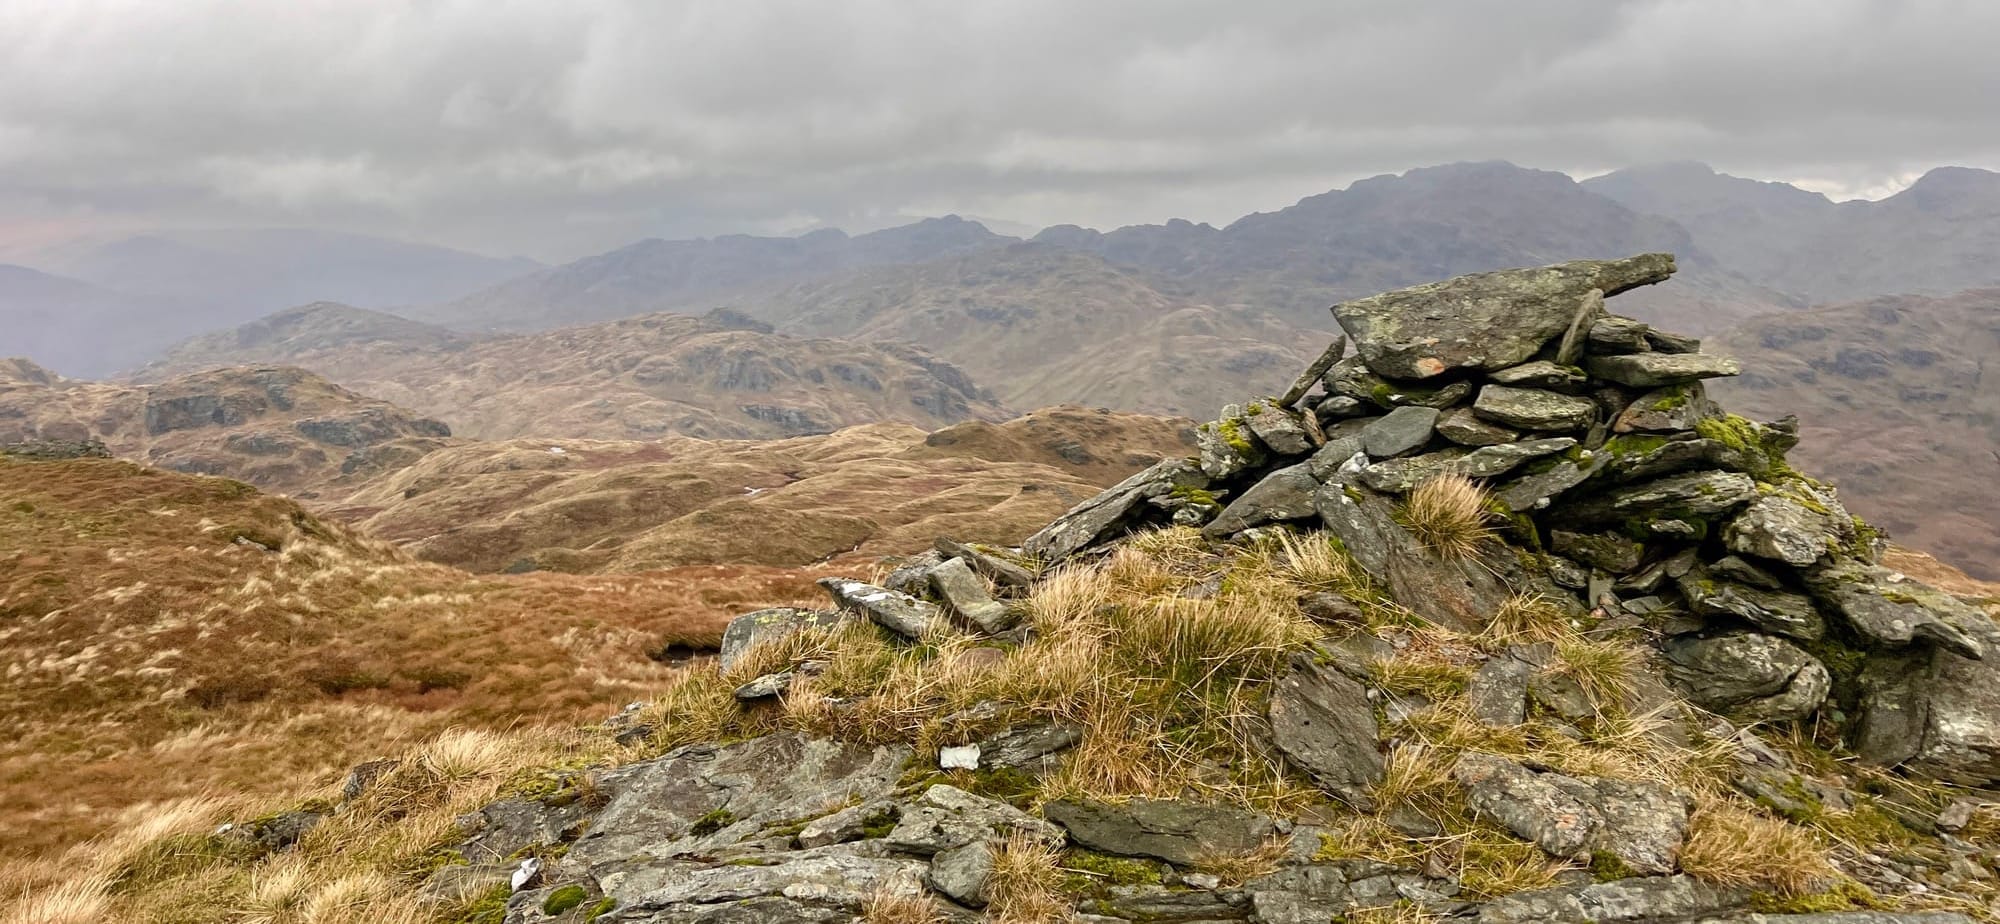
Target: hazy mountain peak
[1952, 188]
[15, 370]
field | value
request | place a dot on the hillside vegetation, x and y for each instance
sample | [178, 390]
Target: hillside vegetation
[164, 635]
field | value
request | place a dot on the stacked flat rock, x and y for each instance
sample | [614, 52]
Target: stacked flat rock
[1618, 485]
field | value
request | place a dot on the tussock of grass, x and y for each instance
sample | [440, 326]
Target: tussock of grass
[1027, 884]
[1448, 513]
[1235, 869]
[1731, 845]
[888, 905]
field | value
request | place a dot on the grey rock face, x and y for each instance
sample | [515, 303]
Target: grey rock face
[1029, 747]
[1403, 430]
[1674, 408]
[1483, 321]
[1530, 492]
[1542, 374]
[1652, 370]
[900, 613]
[962, 873]
[1788, 529]
[1786, 614]
[1457, 594]
[1498, 691]
[1002, 572]
[1286, 494]
[1277, 427]
[1961, 741]
[1460, 425]
[961, 589]
[946, 817]
[913, 575]
[769, 625]
[1353, 379]
[1699, 494]
[1610, 551]
[654, 806]
[1183, 833]
[848, 824]
[1534, 409]
[1323, 722]
[1227, 446]
[1747, 676]
[1639, 823]
[830, 877]
[1398, 476]
[1613, 334]
[1112, 511]
[1890, 611]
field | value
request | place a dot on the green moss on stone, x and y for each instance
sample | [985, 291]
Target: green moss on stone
[1607, 867]
[600, 909]
[712, 822]
[563, 899]
[488, 907]
[1091, 871]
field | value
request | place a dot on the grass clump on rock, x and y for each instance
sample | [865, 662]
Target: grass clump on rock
[1448, 514]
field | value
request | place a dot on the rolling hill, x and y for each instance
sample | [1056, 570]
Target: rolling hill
[1896, 408]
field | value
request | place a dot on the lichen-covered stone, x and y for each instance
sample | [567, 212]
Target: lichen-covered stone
[1613, 334]
[1673, 409]
[1278, 427]
[1113, 511]
[1403, 430]
[1486, 320]
[1788, 614]
[1609, 551]
[1286, 494]
[1323, 722]
[1747, 676]
[1534, 409]
[898, 612]
[1460, 425]
[1652, 370]
[1183, 833]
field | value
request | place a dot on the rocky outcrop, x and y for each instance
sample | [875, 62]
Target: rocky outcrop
[1622, 501]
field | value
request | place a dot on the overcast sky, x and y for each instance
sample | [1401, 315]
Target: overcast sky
[559, 128]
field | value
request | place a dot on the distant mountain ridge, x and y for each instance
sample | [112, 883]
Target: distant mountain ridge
[687, 276]
[720, 376]
[1935, 237]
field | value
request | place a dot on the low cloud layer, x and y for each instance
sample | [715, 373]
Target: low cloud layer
[559, 129]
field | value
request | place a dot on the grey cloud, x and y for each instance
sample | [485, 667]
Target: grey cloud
[556, 129]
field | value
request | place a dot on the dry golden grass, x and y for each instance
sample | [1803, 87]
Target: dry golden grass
[893, 906]
[1731, 845]
[149, 655]
[1026, 885]
[1448, 513]
[1164, 667]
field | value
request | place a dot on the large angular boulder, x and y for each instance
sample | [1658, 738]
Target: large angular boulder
[1889, 610]
[1747, 676]
[1114, 510]
[703, 794]
[1403, 430]
[1534, 409]
[1652, 370]
[1641, 824]
[1486, 321]
[1286, 494]
[893, 610]
[1798, 527]
[1323, 722]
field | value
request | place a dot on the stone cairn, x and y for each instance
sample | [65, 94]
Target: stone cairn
[1622, 489]
[1619, 491]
